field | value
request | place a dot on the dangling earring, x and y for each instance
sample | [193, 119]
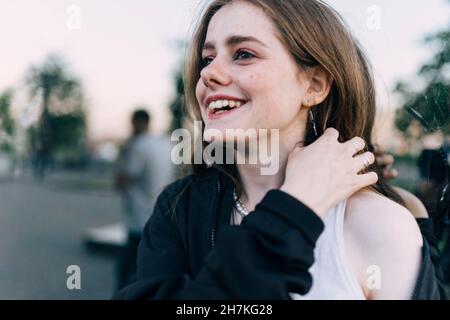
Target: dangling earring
[313, 122]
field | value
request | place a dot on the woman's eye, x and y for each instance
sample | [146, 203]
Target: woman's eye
[240, 55]
[243, 55]
[206, 61]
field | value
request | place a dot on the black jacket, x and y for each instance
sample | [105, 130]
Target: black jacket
[189, 250]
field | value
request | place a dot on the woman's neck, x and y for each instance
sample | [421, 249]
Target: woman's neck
[256, 184]
[255, 181]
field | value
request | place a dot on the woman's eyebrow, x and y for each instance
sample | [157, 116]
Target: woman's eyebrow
[233, 40]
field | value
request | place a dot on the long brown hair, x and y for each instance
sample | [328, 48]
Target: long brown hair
[314, 34]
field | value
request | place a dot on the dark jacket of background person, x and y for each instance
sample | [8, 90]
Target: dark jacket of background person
[189, 250]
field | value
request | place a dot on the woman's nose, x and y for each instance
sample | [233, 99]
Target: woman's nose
[215, 74]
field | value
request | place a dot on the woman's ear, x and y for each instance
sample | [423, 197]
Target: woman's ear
[319, 87]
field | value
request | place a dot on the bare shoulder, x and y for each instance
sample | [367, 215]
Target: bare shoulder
[375, 218]
[381, 232]
[378, 221]
[414, 205]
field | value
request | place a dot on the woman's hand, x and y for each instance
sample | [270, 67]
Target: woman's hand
[385, 161]
[412, 203]
[327, 171]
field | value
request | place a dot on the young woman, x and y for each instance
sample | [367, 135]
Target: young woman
[322, 227]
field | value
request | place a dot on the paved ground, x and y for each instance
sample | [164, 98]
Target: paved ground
[41, 229]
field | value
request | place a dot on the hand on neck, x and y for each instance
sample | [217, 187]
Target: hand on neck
[255, 184]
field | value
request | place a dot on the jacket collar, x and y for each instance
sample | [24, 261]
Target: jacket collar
[215, 190]
[225, 208]
[210, 208]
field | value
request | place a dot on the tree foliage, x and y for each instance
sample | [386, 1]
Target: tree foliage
[430, 106]
[177, 106]
[7, 123]
[61, 127]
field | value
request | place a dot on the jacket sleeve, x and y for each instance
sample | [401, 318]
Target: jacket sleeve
[430, 284]
[266, 257]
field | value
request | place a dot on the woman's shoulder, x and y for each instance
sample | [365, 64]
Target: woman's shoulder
[383, 233]
[414, 205]
[376, 219]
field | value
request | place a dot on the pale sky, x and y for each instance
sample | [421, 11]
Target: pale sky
[125, 54]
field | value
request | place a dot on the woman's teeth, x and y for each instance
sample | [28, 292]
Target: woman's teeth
[215, 106]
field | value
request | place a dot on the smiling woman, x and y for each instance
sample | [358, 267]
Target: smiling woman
[313, 228]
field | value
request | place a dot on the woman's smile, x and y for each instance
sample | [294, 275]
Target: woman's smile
[222, 108]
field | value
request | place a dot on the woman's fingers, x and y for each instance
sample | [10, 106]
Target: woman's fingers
[355, 145]
[332, 132]
[363, 161]
[390, 174]
[366, 179]
[385, 160]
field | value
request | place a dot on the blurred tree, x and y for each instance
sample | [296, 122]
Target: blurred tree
[431, 106]
[177, 106]
[7, 124]
[61, 128]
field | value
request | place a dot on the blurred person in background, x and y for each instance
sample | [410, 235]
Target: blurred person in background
[143, 170]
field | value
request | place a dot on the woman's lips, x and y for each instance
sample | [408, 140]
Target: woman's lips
[222, 113]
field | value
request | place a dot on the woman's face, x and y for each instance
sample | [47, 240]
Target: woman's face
[244, 62]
